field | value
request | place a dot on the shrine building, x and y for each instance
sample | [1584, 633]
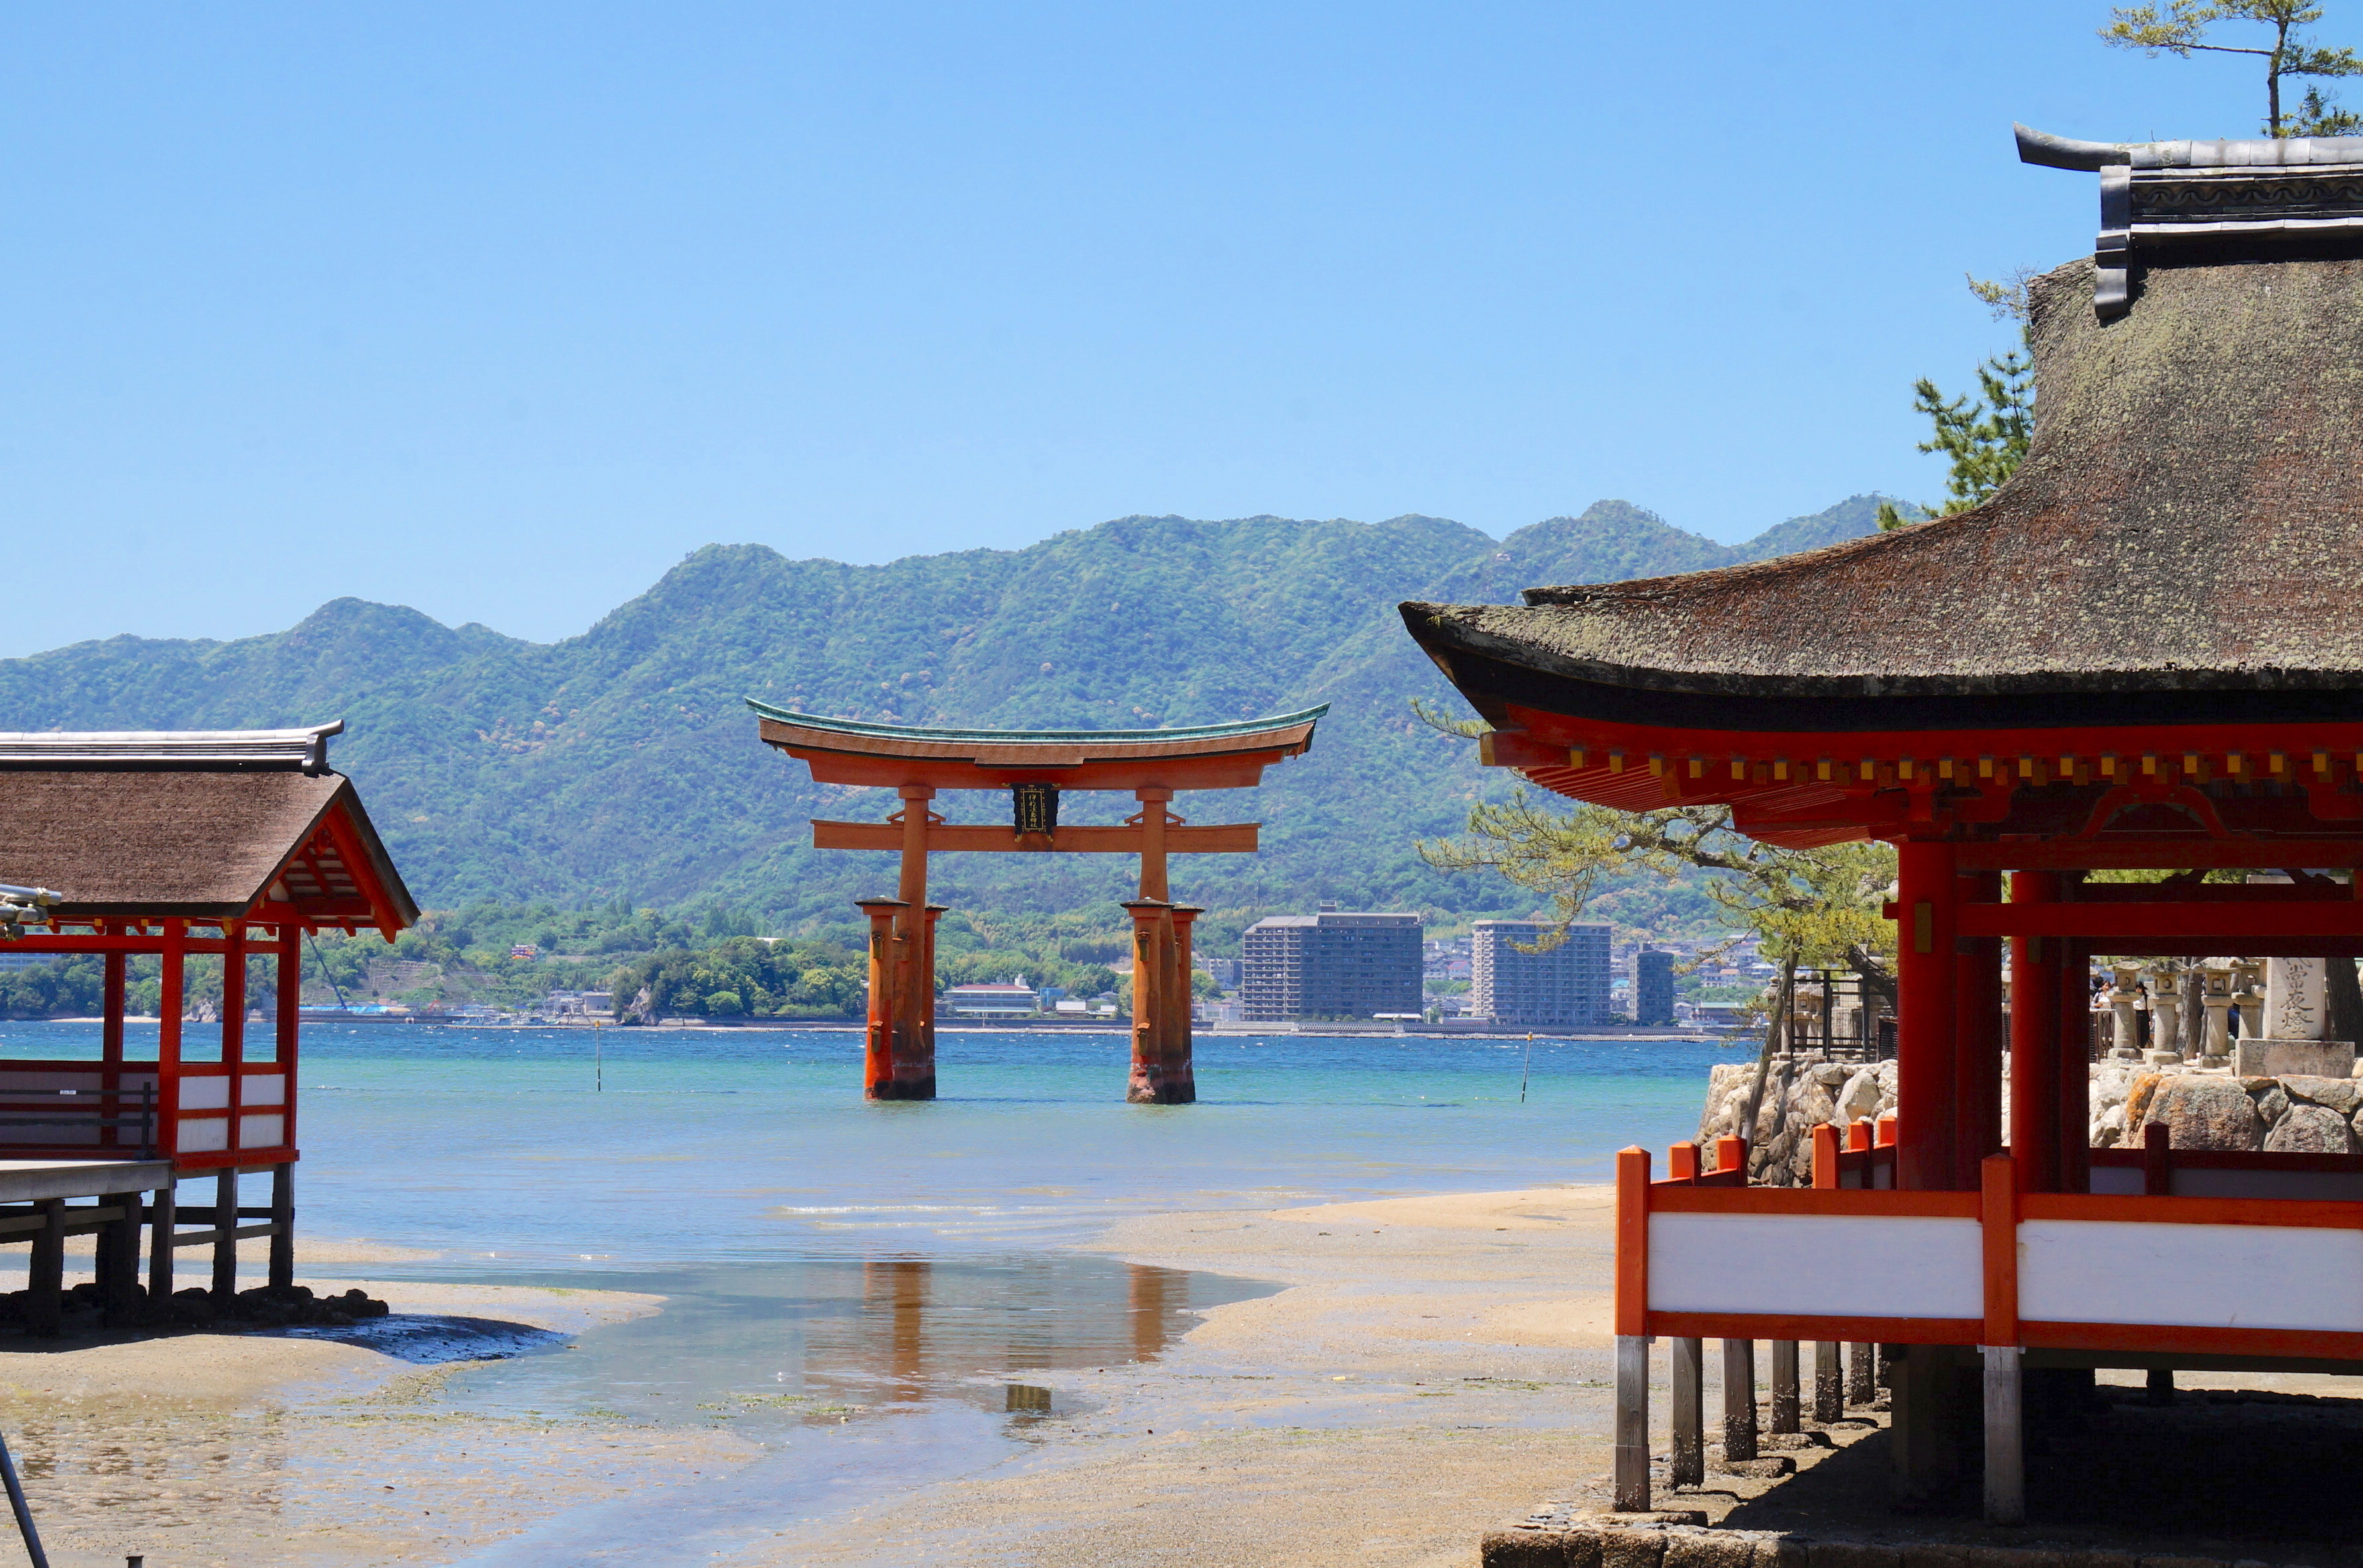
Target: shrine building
[2144, 652]
[228, 846]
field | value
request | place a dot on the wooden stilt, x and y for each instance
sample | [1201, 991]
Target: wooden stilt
[1829, 1382]
[161, 1223]
[1632, 1452]
[45, 1279]
[2160, 1388]
[1862, 1375]
[1787, 1414]
[282, 1214]
[1687, 1464]
[2005, 1437]
[118, 1261]
[225, 1236]
[1738, 1399]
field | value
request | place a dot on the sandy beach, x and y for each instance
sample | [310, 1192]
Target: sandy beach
[1435, 1363]
[1438, 1363]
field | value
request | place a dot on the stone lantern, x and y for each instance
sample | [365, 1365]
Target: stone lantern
[2215, 995]
[2165, 1017]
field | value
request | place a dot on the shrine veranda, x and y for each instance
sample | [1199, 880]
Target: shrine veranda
[2016, 697]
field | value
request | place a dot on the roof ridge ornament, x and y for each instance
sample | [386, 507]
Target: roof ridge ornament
[163, 750]
[2207, 201]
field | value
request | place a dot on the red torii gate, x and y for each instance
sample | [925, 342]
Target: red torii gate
[1035, 767]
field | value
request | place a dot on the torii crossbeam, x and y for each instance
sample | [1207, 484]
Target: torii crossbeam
[1035, 767]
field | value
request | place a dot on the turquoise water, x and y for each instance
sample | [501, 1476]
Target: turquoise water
[520, 1149]
[859, 1286]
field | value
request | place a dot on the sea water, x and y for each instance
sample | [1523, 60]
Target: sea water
[864, 1282]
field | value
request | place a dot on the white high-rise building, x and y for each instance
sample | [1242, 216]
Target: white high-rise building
[1567, 984]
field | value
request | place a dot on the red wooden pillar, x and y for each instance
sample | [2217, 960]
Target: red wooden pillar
[2035, 1056]
[878, 1063]
[171, 1001]
[2074, 1167]
[914, 991]
[1152, 988]
[112, 1103]
[1180, 1076]
[287, 1017]
[233, 1026]
[1926, 887]
[1977, 1038]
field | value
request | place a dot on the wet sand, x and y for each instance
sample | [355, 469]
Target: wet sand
[1438, 1364]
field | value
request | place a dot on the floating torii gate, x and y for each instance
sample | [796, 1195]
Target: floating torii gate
[1035, 767]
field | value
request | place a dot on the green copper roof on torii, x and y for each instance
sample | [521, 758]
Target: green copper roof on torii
[1045, 737]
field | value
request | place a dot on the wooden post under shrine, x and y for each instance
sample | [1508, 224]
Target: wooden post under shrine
[1036, 768]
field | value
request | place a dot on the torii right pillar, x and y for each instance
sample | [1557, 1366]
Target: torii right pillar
[1161, 1069]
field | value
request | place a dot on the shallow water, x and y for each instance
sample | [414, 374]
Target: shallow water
[856, 1286]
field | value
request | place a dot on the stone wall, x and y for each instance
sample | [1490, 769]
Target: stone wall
[1799, 1099]
[2202, 1108]
[2210, 1109]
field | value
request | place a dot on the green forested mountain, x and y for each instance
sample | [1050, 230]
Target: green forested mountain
[622, 763]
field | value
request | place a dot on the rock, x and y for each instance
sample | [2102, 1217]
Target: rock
[2139, 1092]
[2110, 1129]
[1632, 1548]
[1709, 1549]
[1831, 1075]
[2341, 1094]
[2014, 1557]
[2271, 1105]
[1769, 1468]
[1861, 1097]
[1936, 1554]
[2309, 1129]
[1782, 1551]
[1851, 1554]
[1524, 1549]
[2201, 1112]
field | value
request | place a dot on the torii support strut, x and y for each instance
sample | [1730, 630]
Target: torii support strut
[1035, 767]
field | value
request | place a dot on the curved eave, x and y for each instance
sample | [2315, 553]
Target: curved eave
[1279, 729]
[1210, 757]
[1495, 671]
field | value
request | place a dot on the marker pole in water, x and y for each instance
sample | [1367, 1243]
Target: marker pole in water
[1527, 1070]
[598, 1061]
[24, 1515]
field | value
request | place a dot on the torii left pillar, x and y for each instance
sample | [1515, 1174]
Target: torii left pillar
[901, 1056]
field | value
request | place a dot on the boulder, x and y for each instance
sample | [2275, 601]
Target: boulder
[2139, 1092]
[2201, 1112]
[2309, 1129]
[2341, 1094]
[1861, 1097]
[2272, 1101]
[2110, 1129]
[1831, 1075]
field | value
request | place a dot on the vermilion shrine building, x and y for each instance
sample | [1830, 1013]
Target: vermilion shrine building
[1036, 767]
[232, 846]
[2146, 651]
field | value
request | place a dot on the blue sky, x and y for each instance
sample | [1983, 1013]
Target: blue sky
[498, 309]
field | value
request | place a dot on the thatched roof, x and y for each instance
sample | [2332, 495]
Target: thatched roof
[2184, 543]
[193, 828]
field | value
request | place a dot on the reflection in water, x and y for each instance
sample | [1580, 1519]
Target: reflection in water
[925, 1327]
[824, 1339]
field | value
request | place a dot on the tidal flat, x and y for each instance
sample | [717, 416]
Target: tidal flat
[1026, 1324]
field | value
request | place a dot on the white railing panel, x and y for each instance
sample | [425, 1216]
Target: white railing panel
[204, 1134]
[2215, 1276]
[1815, 1265]
[204, 1094]
[263, 1089]
[262, 1132]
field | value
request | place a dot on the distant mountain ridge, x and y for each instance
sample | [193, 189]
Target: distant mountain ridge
[623, 763]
